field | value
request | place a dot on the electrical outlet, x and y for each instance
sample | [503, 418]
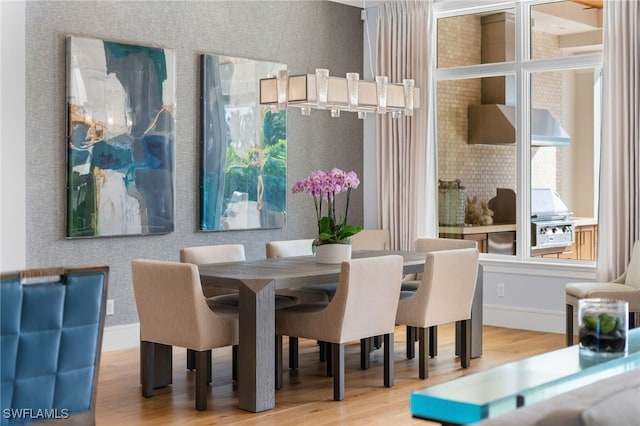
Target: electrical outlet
[109, 306]
[500, 290]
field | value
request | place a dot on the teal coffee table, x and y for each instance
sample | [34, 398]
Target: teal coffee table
[501, 389]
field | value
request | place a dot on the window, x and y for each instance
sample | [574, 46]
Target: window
[519, 113]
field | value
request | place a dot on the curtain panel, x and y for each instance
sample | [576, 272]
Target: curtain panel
[405, 147]
[619, 208]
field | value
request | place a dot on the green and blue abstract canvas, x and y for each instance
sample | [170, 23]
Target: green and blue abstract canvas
[244, 147]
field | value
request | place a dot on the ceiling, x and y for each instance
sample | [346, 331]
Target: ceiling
[563, 18]
[598, 4]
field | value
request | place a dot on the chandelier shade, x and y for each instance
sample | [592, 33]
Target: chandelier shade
[324, 92]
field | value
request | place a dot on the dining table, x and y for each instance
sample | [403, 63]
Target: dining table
[257, 281]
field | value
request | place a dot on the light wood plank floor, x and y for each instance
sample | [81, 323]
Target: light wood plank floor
[307, 395]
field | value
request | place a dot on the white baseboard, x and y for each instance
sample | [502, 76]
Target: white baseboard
[524, 318]
[128, 336]
[121, 337]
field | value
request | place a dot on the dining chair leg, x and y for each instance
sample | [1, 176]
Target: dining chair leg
[411, 342]
[433, 341]
[569, 323]
[234, 362]
[365, 350]
[158, 360]
[163, 369]
[293, 352]
[147, 361]
[209, 367]
[338, 370]
[329, 355]
[465, 344]
[202, 358]
[191, 359]
[423, 350]
[377, 342]
[388, 360]
[278, 361]
[323, 351]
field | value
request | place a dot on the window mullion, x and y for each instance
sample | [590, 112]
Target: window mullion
[523, 143]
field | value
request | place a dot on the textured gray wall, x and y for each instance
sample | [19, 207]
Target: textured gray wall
[319, 34]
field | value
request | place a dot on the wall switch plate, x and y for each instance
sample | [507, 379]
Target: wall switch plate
[109, 306]
[500, 290]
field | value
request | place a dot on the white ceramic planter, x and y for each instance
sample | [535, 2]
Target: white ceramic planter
[333, 253]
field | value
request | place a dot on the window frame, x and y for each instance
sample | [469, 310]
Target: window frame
[522, 68]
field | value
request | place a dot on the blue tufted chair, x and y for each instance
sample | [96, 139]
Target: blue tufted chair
[52, 324]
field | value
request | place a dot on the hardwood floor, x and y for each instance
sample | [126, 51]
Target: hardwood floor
[307, 394]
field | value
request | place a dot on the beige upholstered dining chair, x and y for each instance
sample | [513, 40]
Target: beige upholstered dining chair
[361, 308]
[445, 295]
[625, 287]
[174, 312]
[292, 248]
[289, 248]
[319, 293]
[367, 239]
[426, 245]
[370, 239]
[219, 297]
[413, 281]
[221, 253]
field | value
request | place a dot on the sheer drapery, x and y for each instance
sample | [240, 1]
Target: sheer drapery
[405, 147]
[619, 209]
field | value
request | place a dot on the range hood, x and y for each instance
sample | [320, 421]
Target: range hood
[493, 121]
[495, 124]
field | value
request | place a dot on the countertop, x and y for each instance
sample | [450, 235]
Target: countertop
[477, 229]
[584, 221]
[503, 227]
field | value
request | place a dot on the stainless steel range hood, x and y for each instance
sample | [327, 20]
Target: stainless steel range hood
[493, 121]
[495, 124]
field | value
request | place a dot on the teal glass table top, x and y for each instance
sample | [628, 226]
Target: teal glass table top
[498, 390]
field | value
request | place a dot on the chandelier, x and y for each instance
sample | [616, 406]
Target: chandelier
[324, 92]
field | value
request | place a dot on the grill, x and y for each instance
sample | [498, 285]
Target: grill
[551, 230]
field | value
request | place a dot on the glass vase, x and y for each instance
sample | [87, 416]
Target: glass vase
[603, 325]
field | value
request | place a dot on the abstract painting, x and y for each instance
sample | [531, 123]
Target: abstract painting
[244, 147]
[121, 135]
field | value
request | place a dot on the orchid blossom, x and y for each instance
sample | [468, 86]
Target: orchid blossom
[324, 187]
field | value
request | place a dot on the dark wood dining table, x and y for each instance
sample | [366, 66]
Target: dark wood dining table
[257, 281]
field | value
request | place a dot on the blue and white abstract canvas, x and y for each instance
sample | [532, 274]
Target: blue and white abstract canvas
[121, 135]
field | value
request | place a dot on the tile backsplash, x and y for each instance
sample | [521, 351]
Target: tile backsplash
[483, 168]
